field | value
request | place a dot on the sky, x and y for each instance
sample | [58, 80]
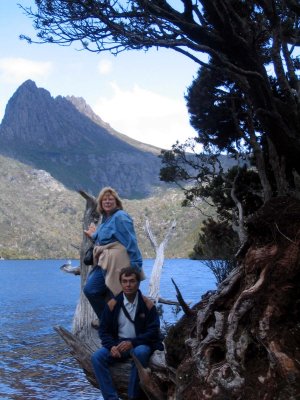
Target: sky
[140, 94]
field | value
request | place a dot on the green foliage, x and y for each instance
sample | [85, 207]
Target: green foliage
[208, 184]
[216, 240]
[220, 268]
[217, 244]
[215, 105]
[202, 178]
[247, 189]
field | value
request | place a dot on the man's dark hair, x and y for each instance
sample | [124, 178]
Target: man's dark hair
[130, 271]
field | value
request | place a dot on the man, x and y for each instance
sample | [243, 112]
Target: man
[130, 324]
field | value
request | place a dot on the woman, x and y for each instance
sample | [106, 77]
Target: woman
[115, 248]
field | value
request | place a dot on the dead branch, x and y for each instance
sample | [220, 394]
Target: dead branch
[154, 282]
[186, 309]
[70, 270]
[168, 302]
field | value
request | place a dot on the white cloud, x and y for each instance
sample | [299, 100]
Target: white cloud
[16, 70]
[104, 67]
[146, 116]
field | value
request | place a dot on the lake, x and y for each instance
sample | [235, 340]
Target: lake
[37, 295]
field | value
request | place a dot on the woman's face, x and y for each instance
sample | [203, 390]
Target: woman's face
[108, 203]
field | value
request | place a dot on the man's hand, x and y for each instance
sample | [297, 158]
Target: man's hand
[124, 346]
[114, 351]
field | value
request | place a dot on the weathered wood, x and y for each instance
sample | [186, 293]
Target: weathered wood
[245, 340]
[154, 282]
[148, 382]
[84, 314]
[186, 309]
[168, 302]
[81, 351]
[70, 270]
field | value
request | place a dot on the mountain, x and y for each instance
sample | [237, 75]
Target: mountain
[67, 139]
[85, 109]
[41, 218]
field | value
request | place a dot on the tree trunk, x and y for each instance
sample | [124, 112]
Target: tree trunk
[241, 341]
[245, 341]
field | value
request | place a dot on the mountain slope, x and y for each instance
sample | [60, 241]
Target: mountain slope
[40, 218]
[85, 109]
[54, 135]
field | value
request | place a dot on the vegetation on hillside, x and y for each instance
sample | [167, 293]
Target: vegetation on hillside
[40, 218]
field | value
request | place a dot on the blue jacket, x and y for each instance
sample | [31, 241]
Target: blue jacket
[118, 227]
[146, 324]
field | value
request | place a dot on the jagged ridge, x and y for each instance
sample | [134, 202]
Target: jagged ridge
[64, 137]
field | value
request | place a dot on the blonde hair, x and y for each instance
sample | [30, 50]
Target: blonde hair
[108, 190]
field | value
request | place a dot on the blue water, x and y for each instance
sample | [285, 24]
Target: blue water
[37, 295]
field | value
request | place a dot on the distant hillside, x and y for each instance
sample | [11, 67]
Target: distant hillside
[64, 137]
[40, 218]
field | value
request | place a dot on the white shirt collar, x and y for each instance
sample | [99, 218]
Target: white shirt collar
[128, 303]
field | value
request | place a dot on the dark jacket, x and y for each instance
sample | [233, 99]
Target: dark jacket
[146, 324]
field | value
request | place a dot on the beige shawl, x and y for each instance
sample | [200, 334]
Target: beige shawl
[112, 258]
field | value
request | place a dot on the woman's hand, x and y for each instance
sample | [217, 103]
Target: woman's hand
[91, 229]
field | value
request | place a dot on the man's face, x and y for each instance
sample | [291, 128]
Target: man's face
[129, 284]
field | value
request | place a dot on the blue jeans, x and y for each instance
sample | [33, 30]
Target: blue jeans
[96, 291]
[101, 361]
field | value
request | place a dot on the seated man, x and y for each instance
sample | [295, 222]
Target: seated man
[130, 324]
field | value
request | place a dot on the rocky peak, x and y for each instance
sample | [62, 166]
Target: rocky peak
[64, 137]
[82, 106]
[85, 109]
